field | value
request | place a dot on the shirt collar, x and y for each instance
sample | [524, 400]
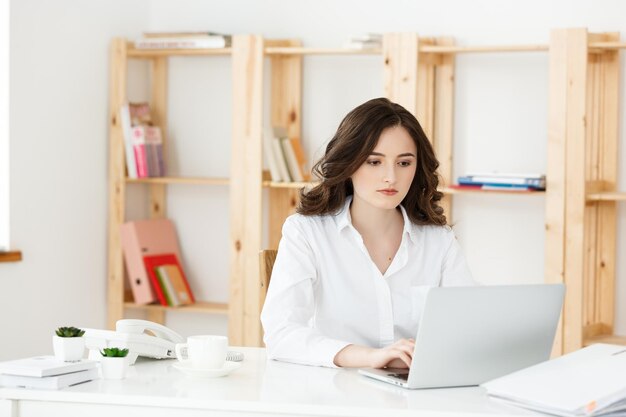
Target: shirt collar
[343, 219]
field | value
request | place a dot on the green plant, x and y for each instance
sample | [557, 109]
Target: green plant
[69, 332]
[114, 352]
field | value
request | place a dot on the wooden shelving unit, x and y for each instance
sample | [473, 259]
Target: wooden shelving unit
[121, 52]
[419, 74]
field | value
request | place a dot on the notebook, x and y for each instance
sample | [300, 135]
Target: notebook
[588, 382]
[49, 382]
[470, 335]
[40, 366]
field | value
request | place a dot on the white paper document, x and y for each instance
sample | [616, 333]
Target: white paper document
[588, 382]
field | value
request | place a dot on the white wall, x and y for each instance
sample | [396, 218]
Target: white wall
[58, 115]
[4, 125]
[59, 91]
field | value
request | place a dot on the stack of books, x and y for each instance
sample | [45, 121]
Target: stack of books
[143, 142]
[365, 41]
[285, 156]
[497, 181]
[183, 40]
[46, 372]
[152, 257]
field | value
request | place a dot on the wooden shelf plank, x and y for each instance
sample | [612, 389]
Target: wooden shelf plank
[611, 339]
[11, 256]
[197, 307]
[481, 49]
[291, 185]
[152, 53]
[179, 180]
[292, 50]
[607, 196]
[274, 50]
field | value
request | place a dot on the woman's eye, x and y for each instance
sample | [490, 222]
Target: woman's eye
[404, 163]
[373, 162]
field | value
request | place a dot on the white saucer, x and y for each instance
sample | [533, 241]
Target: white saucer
[189, 369]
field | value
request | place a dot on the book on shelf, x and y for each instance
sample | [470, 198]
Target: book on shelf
[279, 155]
[44, 366]
[534, 181]
[365, 41]
[140, 151]
[185, 34]
[178, 41]
[170, 284]
[497, 187]
[294, 155]
[143, 141]
[270, 157]
[176, 287]
[49, 382]
[154, 151]
[141, 238]
[586, 382]
[126, 125]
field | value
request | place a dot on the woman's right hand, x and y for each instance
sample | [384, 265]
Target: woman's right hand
[396, 355]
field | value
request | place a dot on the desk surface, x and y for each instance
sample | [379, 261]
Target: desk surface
[263, 387]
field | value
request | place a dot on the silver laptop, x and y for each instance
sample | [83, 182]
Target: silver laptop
[470, 335]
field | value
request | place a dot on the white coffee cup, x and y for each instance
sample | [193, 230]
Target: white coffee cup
[203, 351]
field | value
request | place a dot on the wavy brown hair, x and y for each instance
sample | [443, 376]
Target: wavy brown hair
[354, 141]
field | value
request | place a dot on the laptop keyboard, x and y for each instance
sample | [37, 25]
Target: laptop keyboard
[402, 376]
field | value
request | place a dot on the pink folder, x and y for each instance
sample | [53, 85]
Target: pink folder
[141, 238]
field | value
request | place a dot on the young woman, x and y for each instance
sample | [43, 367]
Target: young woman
[353, 263]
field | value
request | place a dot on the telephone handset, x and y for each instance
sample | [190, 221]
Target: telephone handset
[146, 327]
[141, 338]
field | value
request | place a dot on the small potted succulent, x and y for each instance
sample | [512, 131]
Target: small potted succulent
[114, 363]
[68, 344]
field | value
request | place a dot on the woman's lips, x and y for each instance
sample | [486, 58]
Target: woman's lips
[388, 192]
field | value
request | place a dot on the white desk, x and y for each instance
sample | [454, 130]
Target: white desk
[154, 388]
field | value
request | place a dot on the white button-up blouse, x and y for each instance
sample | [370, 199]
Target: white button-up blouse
[326, 292]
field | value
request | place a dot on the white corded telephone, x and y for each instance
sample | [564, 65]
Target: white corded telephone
[141, 338]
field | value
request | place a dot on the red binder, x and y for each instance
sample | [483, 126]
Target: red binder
[152, 261]
[142, 238]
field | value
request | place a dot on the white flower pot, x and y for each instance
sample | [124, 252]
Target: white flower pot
[68, 349]
[113, 368]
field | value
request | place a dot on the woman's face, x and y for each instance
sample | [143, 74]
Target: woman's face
[386, 176]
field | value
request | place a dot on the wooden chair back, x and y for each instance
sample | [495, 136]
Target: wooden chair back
[266, 263]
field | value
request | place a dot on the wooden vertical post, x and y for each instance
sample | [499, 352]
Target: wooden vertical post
[601, 169]
[117, 184]
[565, 194]
[158, 106]
[443, 124]
[286, 104]
[400, 52]
[424, 84]
[244, 326]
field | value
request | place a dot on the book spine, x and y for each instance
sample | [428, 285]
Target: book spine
[280, 159]
[292, 160]
[158, 289]
[139, 146]
[153, 143]
[125, 122]
[167, 290]
[270, 157]
[530, 182]
[169, 287]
